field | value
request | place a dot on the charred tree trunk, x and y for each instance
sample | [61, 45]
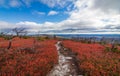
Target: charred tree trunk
[10, 44]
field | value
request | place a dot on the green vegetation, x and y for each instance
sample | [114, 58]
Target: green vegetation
[42, 38]
[25, 37]
[112, 49]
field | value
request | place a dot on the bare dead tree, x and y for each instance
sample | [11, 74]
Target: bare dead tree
[8, 37]
[19, 31]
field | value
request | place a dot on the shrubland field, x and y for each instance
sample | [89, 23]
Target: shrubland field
[37, 56]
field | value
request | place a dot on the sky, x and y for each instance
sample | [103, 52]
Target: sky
[61, 16]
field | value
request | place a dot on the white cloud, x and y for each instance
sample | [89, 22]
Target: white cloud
[86, 19]
[14, 3]
[107, 5]
[28, 2]
[54, 3]
[6, 26]
[53, 13]
[92, 17]
[38, 13]
[41, 13]
[2, 2]
[89, 16]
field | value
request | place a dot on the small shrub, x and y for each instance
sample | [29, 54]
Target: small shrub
[46, 37]
[102, 43]
[115, 49]
[27, 50]
[42, 38]
[118, 44]
[25, 37]
[89, 42]
[107, 49]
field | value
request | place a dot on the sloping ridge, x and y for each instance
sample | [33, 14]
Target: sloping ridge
[67, 62]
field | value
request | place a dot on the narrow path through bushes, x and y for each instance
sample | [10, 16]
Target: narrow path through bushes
[67, 62]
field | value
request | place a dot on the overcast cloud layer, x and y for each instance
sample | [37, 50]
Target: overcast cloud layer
[88, 16]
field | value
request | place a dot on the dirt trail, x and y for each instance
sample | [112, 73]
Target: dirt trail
[67, 62]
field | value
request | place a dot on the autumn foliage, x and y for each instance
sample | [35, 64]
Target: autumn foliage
[20, 61]
[28, 57]
[94, 60]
